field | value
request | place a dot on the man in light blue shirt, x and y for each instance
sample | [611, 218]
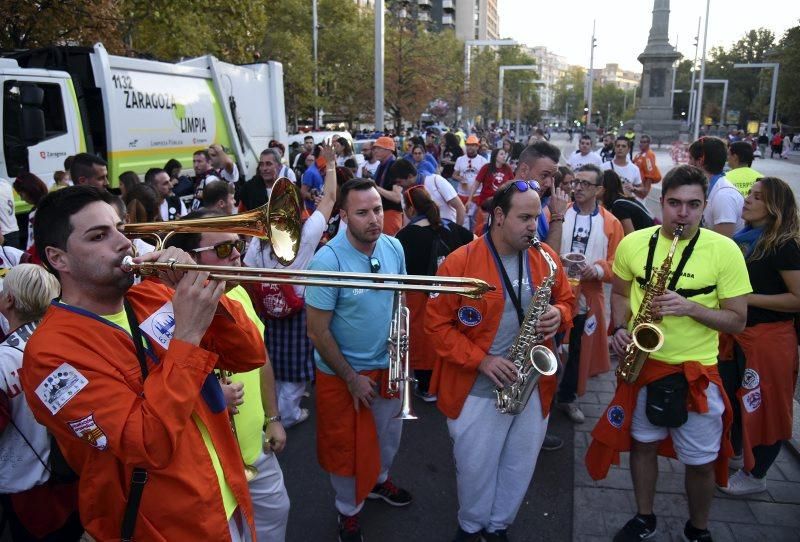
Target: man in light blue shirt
[349, 328]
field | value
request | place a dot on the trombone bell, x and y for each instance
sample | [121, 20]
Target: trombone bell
[278, 220]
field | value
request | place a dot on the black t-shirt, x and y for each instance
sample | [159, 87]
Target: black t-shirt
[765, 278]
[418, 244]
[450, 154]
[625, 208]
[254, 193]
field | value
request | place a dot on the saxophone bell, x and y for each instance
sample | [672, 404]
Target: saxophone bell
[648, 337]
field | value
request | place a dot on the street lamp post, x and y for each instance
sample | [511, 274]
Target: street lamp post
[500, 90]
[591, 75]
[694, 69]
[468, 58]
[379, 113]
[699, 109]
[315, 29]
[775, 67]
[724, 83]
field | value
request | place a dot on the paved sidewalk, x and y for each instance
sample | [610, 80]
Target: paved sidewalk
[602, 508]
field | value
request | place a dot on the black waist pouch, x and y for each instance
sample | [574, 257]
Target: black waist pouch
[666, 401]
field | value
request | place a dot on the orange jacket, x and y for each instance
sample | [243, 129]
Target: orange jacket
[112, 423]
[612, 434]
[463, 329]
[646, 162]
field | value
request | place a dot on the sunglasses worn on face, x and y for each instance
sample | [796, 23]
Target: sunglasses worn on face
[374, 264]
[224, 249]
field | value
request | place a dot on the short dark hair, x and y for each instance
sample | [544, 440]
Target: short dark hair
[306, 138]
[354, 184]
[585, 136]
[743, 151]
[171, 165]
[711, 152]
[83, 165]
[190, 241]
[150, 176]
[503, 196]
[625, 139]
[68, 162]
[684, 175]
[594, 169]
[204, 152]
[53, 224]
[401, 169]
[216, 191]
[540, 149]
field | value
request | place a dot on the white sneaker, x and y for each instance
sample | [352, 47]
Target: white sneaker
[573, 412]
[736, 462]
[742, 483]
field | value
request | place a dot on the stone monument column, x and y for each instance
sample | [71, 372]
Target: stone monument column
[654, 114]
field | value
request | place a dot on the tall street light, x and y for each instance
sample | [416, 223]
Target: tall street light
[503, 69]
[699, 110]
[775, 67]
[694, 69]
[467, 60]
[315, 29]
[591, 76]
[379, 113]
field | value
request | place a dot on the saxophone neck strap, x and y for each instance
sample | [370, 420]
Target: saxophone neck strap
[516, 297]
[687, 253]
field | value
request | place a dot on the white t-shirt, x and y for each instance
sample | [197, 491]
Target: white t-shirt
[288, 173]
[724, 206]
[468, 169]
[260, 254]
[441, 191]
[576, 160]
[8, 222]
[163, 210]
[371, 167]
[629, 173]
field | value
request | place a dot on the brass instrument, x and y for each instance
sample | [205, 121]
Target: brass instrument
[400, 379]
[278, 220]
[647, 337]
[250, 471]
[531, 358]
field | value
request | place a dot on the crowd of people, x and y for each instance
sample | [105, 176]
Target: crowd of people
[127, 401]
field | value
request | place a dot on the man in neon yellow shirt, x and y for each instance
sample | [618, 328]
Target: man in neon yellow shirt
[251, 395]
[706, 294]
[741, 175]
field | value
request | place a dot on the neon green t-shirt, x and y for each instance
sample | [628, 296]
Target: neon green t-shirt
[228, 498]
[743, 178]
[250, 419]
[716, 265]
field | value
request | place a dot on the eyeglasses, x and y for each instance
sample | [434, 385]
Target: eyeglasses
[374, 264]
[224, 249]
[584, 184]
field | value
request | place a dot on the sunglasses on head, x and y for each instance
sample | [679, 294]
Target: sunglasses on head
[374, 264]
[224, 249]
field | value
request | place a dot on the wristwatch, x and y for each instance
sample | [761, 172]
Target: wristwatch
[621, 326]
[273, 419]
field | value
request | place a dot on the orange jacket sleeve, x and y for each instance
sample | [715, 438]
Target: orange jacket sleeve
[142, 429]
[450, 344]
[614, 233]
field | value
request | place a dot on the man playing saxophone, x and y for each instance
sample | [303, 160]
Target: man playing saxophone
[496, 453]
[690, 283]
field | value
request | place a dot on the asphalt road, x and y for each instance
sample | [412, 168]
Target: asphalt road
[424, 466]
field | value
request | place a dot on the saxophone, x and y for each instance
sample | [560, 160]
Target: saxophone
[647, 337]
[531, 358]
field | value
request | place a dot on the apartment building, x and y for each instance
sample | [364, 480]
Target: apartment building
[551, 67]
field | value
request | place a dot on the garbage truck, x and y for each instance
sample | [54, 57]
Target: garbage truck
[134, 113]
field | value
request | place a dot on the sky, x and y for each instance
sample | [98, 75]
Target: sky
[565, 26]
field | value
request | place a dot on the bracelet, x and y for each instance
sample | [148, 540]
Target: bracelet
[556, 217]
[273, 419]
[330, 170]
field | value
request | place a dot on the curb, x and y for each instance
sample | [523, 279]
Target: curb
[793, 444]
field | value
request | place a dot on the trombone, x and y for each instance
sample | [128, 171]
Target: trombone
[279, 221]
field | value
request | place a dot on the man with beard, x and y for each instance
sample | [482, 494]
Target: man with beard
[203, 174]
[121, 376]
[465, 172]
[88, 169]
[352, 403]
[367, 169]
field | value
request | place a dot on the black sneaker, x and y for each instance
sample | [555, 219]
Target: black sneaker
[500, 535]
[349, 529]
[464, 536]
[638, 528]
[552, 443]
[693, 534]
[391, 494]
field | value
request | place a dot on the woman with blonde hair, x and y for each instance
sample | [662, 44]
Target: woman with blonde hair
[764, 359]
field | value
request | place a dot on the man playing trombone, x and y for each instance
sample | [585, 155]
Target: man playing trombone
[357, 437]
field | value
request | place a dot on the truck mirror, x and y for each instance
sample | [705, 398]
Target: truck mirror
[33, 127]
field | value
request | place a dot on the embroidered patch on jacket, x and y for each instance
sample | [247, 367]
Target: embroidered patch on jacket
[750, 379]
[160, 326]
[469, 316]
[752, 400]
[615, 415]
[87, 430]
[591, 325]
[60, 386]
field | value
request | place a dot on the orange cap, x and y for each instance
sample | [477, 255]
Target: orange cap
[473, 140]
[385, 142]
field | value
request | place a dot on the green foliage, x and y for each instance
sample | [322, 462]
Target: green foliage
[789, 78]
[517, 87]
[569, 93]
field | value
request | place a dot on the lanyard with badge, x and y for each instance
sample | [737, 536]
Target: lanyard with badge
[516, 297]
